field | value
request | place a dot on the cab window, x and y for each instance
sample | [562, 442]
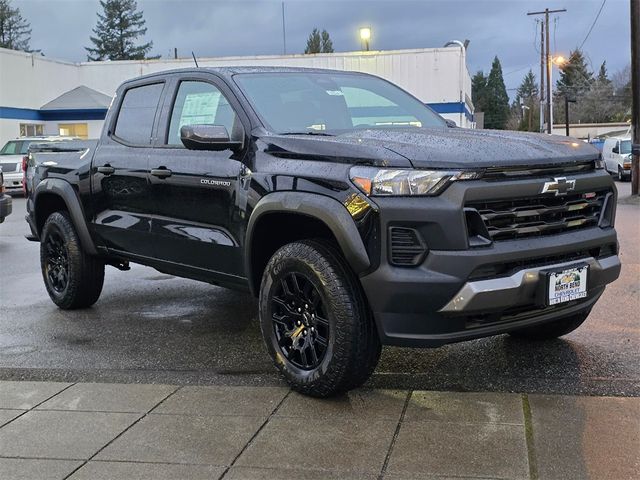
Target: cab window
[137, 114]
[199, 103]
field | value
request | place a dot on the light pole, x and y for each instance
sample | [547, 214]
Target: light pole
[365, 37]
[559, 61]
[524, 107]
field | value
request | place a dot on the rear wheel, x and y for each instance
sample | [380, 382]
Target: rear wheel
[554, 329]
[73, 279]
[315, 320]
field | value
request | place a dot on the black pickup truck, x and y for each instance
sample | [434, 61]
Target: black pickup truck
[357, 215]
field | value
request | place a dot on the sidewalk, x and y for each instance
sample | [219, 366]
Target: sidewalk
[115, 431]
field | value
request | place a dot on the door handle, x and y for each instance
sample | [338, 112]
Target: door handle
[161, 172]
[106, 169]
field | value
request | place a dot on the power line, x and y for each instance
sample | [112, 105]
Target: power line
[517, 70]
[593, 24]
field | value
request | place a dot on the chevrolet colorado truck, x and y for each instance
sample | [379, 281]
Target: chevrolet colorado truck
[356, 215]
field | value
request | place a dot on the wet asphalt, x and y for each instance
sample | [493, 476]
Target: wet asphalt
[155, 328]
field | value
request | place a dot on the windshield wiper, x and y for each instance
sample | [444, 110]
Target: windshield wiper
[322, 134]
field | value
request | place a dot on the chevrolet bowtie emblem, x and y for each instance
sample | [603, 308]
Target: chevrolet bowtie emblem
[559, 186]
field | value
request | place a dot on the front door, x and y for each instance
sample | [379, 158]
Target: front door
[121, 200]
[199, 195]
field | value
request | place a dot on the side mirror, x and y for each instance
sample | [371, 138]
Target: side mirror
[450, 123]
[207, 137]
[615, 149]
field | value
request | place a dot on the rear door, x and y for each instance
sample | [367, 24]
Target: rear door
[122, 203]
[199, 196]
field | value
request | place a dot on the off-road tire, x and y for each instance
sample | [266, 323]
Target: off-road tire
[553, 329]
[353, 346]
[85, 273]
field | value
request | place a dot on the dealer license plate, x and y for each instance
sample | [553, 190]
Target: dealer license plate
[568, 285]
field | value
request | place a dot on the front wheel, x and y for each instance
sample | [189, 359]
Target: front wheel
[73, 278]
[553, 329]
[315, 320]
[621, 176]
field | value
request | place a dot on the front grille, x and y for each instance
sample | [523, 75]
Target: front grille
[502, 173]
[406, 247]
[9, 167]
[539, 215]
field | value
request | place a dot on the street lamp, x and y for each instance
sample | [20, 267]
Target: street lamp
[365, 36]
[559, 60]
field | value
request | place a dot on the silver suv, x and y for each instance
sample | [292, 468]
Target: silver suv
[11, 157]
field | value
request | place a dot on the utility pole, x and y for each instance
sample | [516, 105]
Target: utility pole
[284, 33]
[542, 83]
[635, 93]
[546, 50]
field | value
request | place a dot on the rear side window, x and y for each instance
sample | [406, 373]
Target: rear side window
[137, 113]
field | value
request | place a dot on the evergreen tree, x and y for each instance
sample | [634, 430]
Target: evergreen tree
[497, 107]
[528, 89]
[116, 32]
[15, 31]
[526, 103]
[603, 77]
[478, 91]
[319, 42]
[327, 44]
[314, 42]
[575, 77]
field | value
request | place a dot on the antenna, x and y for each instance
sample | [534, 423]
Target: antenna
[194, 59]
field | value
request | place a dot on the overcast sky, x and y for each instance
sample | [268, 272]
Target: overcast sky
[61, 28]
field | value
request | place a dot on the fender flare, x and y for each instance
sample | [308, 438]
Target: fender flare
[325, 209]
[65, 191]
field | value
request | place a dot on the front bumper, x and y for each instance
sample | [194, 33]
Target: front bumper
[5, 207]
[13, 182]
[460, 293]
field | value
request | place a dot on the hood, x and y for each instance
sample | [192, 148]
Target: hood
[443, 147]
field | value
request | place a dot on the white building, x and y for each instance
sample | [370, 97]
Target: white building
[39, 95]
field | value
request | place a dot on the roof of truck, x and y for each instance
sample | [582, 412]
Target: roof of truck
[232, 70]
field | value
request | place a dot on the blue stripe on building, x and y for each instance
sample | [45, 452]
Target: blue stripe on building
[100, 113]
[52, 115]
[452, 107]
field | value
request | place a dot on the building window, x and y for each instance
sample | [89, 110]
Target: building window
[31, 129]
[74, 130]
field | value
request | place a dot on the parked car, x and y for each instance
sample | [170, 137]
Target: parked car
[617, 157]
[13, 159]
[5, 200]
[354, 213]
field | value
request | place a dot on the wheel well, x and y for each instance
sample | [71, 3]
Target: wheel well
[274, 230]
[47, 204]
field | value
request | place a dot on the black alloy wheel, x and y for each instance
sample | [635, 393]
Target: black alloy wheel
[73, 278]
[315, 319]
[300, 321]
[56, 261]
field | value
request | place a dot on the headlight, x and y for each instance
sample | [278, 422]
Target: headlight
[391, 182]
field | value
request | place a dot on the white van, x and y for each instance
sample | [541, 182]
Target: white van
[616, 153]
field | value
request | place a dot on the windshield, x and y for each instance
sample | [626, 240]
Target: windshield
[625, 146]
[300, 102]
[15, 147]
